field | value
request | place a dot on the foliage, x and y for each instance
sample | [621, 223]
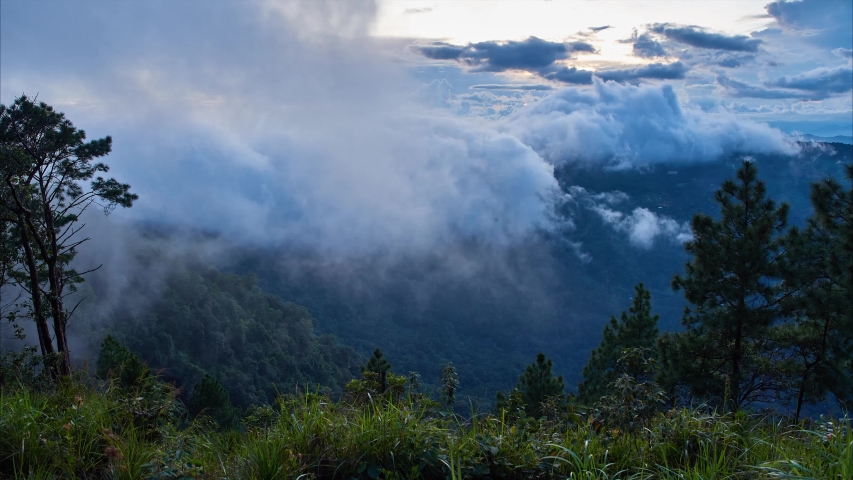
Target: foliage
[449, 384]
[86, 430]
[209, 398]
[207, 322]
[732, 283]
[637, 329]
[819, 269]
[633, 399]
[370, 387]
[379, 365]
[44, 161]
[535, 386]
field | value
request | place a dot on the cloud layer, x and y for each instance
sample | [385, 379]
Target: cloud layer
[286, 132]
[543, 59]
[698, 37]
[625, 125]
[260, 136]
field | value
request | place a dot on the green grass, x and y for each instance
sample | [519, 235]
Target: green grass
[79, 430]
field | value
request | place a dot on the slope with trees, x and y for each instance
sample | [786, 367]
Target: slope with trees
[204, 322]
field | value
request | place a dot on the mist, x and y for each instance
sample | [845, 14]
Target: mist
[282, 137]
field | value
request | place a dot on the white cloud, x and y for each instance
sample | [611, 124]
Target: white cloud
[279, 131]
[644, 226]
[625, 125]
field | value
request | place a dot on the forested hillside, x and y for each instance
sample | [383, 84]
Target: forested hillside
[202, 321]
[539, 296]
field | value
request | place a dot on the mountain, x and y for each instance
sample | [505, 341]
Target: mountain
[488, 309]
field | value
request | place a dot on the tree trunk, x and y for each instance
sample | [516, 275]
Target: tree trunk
[51, 258]
[801, 395]
[736, 357]
[45, 342]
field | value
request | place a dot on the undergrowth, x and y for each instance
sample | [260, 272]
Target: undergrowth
[87, 429]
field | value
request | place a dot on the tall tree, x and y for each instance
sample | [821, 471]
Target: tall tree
[537, 384]
[637, 328]
[449, 384]
[45, 163]
[378, 364]
[819, 271]
[732, 283]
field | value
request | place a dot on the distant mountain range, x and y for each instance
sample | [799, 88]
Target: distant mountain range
[836, 139]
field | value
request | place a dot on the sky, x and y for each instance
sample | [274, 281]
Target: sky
[353, 128]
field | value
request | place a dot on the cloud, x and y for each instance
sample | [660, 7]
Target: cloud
[738, 89]
[256, 135]
[644, 226]
[512, 86]
[626, 125]
[533, 54]
[437, 93]
[647, 47]
[658, 71]
[819, 80]
[411, 11]
[698, 37]
[843, 53]
[823, 22]
[743, 108]
[598, 29]
[540, 57]
[728, 60]
[442, 51]
[570, 75]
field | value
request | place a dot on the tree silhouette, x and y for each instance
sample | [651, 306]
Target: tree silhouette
[637, 328]
[378, 364]
[733, 285]
[537, 384]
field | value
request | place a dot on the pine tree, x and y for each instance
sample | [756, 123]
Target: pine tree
[44, 164]
[637, 328]
[112, 356]
[732, 283]
[819, 266]
[210, 398]
[537, 384]
[378, 364]
[449, 384]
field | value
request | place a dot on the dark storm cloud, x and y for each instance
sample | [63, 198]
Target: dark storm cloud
[647, 47]
[735, 88]
[698, 37]
[533, 54]
[658, 71]
[819, 80]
